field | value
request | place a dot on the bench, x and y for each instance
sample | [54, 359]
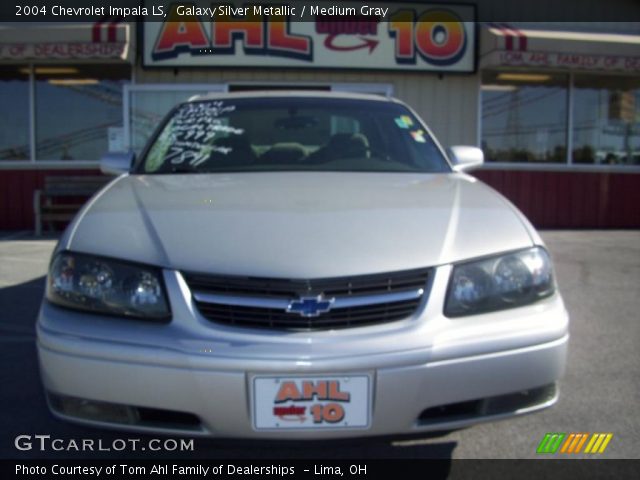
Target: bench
[61, 198]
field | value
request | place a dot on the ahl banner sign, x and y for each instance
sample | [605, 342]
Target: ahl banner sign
[391, 36]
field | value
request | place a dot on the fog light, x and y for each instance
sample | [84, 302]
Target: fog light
[92, 410]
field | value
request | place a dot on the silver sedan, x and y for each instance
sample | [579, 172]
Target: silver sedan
[298, 265]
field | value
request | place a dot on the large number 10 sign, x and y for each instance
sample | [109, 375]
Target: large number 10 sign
[408, 36]
[438, 36]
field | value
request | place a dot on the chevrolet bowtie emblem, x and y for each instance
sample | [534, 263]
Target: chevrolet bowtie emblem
[310, 306]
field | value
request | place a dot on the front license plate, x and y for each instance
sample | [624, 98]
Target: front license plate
[311, 402]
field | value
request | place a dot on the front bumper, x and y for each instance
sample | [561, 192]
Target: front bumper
[194, 378]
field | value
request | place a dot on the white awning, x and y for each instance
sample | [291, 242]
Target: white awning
[54, 42]
[503, 45]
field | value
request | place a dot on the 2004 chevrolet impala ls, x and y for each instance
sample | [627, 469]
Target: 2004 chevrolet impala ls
[298, 265]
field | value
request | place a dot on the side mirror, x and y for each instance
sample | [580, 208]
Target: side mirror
[465, 158]
[117, 163]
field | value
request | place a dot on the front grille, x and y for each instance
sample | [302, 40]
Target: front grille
[262, 302]
[345, 317]
[285, 288]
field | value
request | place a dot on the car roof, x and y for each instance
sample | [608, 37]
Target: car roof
[291, 93]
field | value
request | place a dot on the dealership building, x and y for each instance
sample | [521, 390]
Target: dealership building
[554, 105]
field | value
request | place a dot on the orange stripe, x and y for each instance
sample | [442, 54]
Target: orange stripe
[577, 438]
[567, 442]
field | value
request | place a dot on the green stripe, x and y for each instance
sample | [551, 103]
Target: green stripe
[551, 442]
[542, 448]
[556, 446]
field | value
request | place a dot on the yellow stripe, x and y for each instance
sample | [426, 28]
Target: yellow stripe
[606, 442]
[591, 442]
[567, 442]
[584, 439]
[598, 442]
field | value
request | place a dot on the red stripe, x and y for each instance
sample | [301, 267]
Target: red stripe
[522, 38]
[111, 31]
[523, 43]
[508, 37]
[95, 32]
[509, 42]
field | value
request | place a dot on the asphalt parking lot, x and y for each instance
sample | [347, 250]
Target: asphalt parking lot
[598, 273]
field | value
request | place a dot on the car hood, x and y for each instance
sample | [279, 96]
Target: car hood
[297, 224]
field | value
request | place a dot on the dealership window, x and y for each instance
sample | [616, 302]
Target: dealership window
[14, 121]
[524, 117]
[75, 108]
[60, 112]
[606, 120]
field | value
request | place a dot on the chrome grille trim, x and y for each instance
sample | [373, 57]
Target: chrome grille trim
[281, 304]
[288, 288]
[256, 302]
[237, 301]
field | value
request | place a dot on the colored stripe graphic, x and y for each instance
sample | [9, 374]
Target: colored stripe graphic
[572, 443]
[551, 442]
[598, 443]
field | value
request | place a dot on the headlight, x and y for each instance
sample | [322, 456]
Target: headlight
[500, 282]
[101, 285]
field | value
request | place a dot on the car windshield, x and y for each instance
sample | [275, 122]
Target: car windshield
[292, 134]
